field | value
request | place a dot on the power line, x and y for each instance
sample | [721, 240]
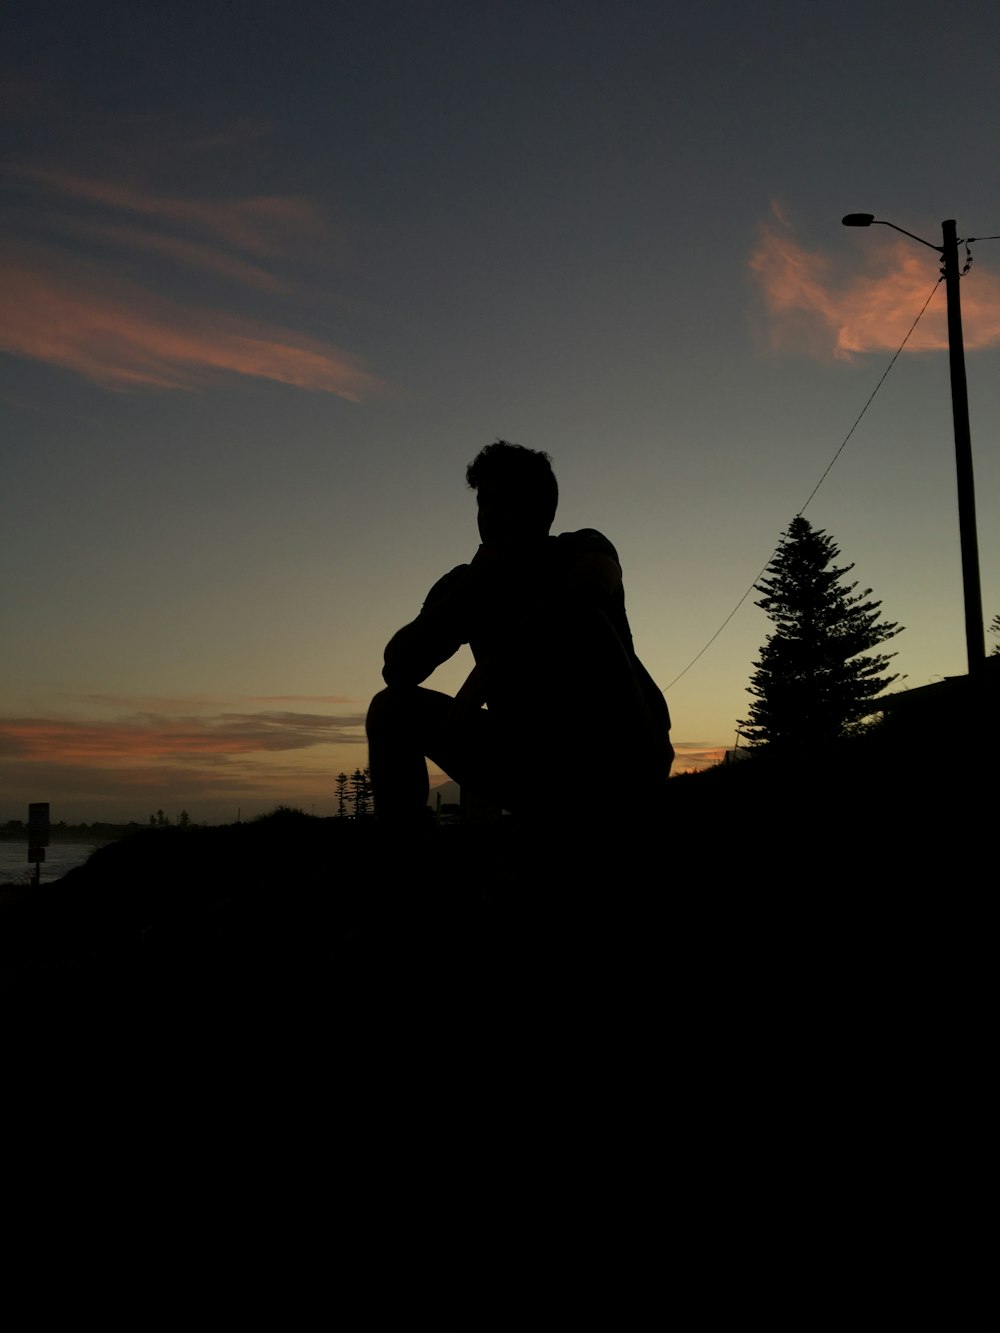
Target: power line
[723, 625]
[815, 488]
[871, 398]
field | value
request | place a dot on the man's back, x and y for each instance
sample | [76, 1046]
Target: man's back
[552, 642]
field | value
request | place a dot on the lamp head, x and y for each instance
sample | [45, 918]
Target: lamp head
[858, 220]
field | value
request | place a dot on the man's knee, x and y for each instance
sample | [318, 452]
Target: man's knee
[379, 713]
[392, 710]
[405, 709]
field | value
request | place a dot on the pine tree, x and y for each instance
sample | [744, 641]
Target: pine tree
[361, 792]
[341, 784]
[812, 685]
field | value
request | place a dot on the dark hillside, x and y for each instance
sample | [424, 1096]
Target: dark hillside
[767, 892]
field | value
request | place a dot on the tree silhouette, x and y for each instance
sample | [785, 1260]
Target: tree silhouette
[994, 628]
[811, 684]
[361, 792]
[341, 785]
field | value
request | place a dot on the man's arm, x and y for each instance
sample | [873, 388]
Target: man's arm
[594, 569]
[472, 695]
[436, 634]
[442, 626]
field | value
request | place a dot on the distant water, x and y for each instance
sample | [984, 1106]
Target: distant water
[15, 868]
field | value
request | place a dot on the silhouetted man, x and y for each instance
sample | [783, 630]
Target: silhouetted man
[572, 717]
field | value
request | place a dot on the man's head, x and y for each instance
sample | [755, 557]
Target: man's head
[516, 490]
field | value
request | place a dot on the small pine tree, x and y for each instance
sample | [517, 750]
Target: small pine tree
[341, 784]
[361, 792]
[812, 684]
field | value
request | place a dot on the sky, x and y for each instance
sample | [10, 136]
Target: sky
[273, 275]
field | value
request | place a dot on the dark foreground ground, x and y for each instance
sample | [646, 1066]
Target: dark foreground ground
[734, 1055]
[862, 873]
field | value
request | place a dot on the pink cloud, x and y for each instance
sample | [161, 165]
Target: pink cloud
[154, 737]
[88, 768]
[122, 336]
[814, 307]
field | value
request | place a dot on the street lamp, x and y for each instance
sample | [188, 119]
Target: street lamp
[974, 637]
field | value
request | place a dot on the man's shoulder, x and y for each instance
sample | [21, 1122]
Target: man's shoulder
[588, 541]
[443, 584]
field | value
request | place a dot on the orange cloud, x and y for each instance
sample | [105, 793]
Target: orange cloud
[262, 225]
[122, 336]
[814, 308]
[152, 737]
[211, 764]
[691, 756]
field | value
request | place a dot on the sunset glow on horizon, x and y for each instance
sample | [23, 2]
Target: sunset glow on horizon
[273, 278]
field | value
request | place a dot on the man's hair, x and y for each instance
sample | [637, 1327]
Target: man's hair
[509, 473]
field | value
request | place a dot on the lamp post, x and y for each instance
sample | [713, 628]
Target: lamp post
[975, 641]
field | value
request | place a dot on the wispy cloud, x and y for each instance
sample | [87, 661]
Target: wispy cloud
[156, 737]
[132, 704]
[816, 307]
[75, 302]
[190, 704]
[240, 133]
[303, 699]
[88, 768]
[263, 225]
[192, 254]
[122, 336]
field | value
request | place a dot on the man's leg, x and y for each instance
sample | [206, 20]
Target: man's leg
[398, 724]
[404, 725]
